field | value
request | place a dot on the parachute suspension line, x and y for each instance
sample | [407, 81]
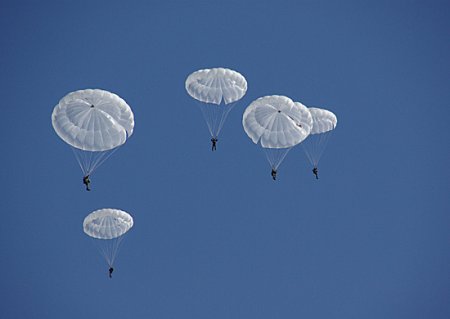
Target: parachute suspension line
[206, 117]
[90, 161]
[322, 144]
[215, 116]
[224, 115]
[209, 114]
[315, 145]
[109, 248]
[117, 243]
[103, 248]
[275, 156]
[102, 158]
[308, 154]
[80, 159]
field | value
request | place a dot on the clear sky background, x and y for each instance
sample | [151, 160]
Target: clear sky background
[214, 236]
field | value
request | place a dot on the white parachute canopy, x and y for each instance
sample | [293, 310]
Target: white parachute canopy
[216, 90]
[108, 226]
[324, 123]
[94, 123]
[277, 123]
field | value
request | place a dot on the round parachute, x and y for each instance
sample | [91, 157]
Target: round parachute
[324, 123]
[216, 91]
[95, 123]
[277, 124]
[323, 120]
[216, 85]
[93, 120]
[107, 228]
[107, 223]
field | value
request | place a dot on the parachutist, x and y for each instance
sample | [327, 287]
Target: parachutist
[213, 145]
[106, 227]
[87, 181]
[316, 172]
[274, 174]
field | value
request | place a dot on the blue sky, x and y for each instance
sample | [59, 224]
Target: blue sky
[214, 236]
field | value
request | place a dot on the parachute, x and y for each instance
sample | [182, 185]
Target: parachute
[277, 124]
[95, 123]
[216, 91]
[107, 227]
[324, 123]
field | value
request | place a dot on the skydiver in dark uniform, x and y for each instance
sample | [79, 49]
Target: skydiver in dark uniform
[213, 145]
[111, 269]
[274, 174]
[87, 181]
[316, 172]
